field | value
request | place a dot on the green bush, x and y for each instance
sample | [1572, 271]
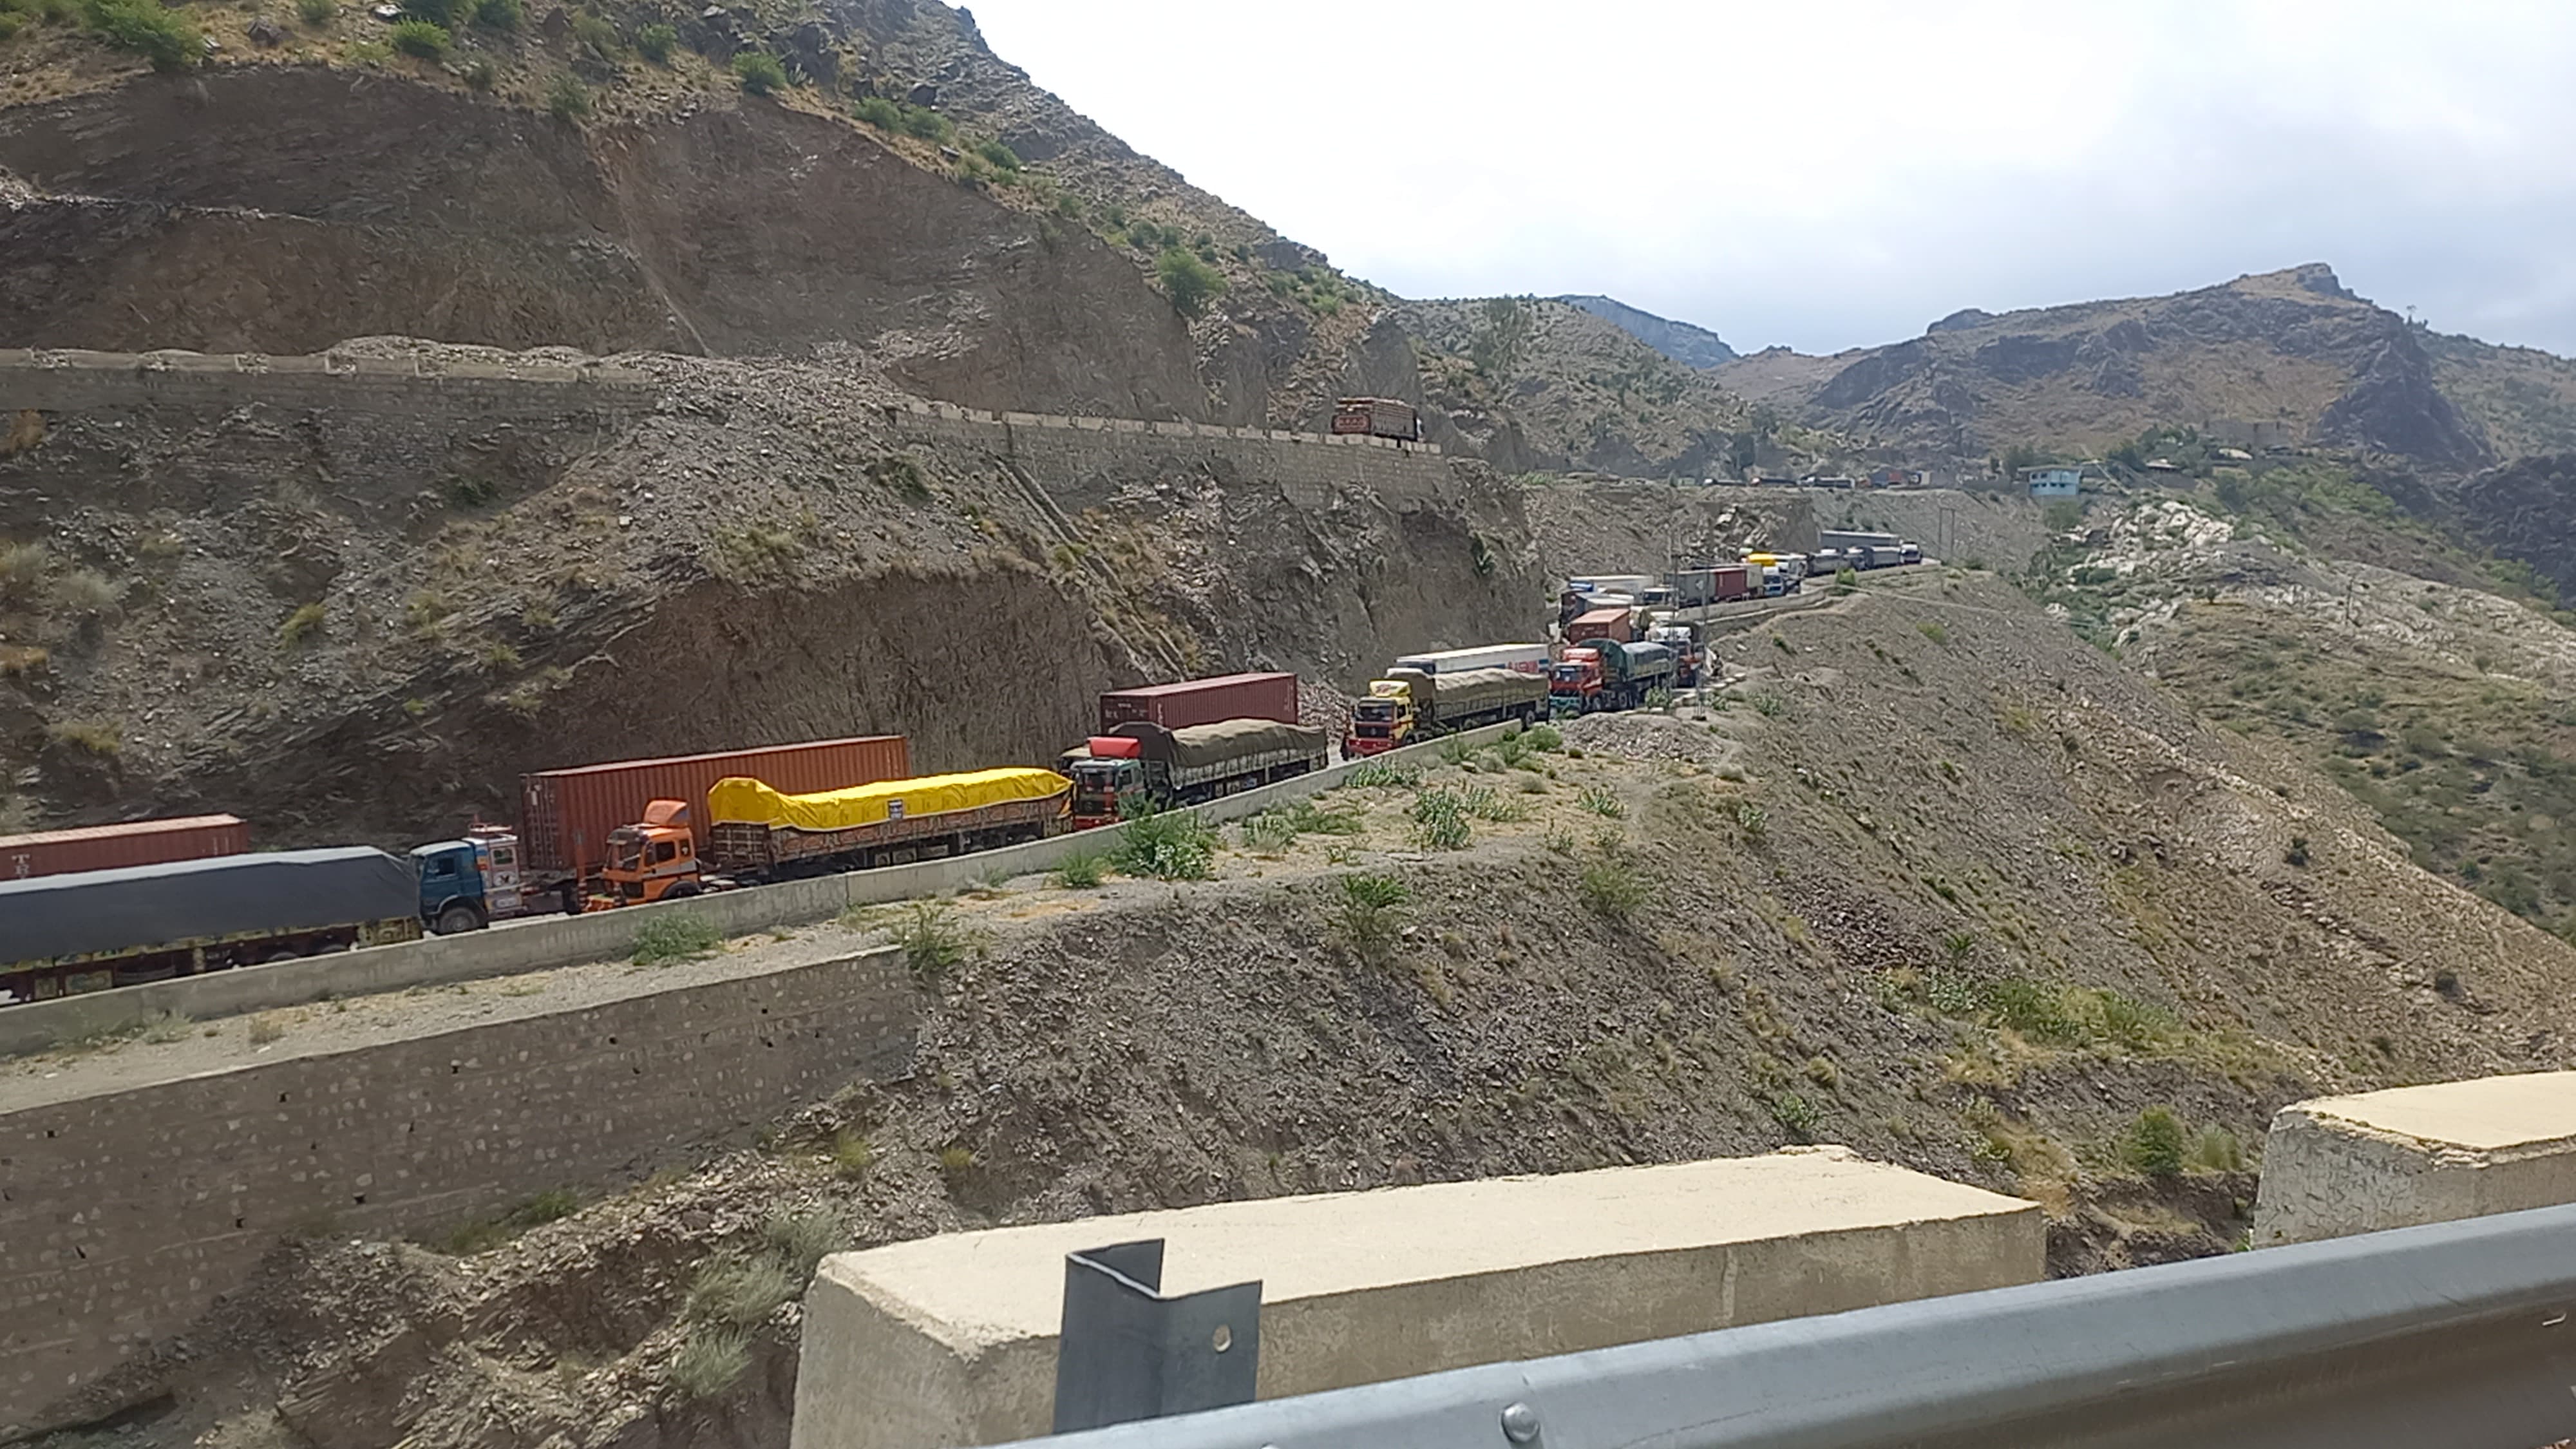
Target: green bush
[442, 13]
[656, 41]
[925, 123]
[1439, 820]
[303, 624]
[503, 15]
[1610, 887]
[740, 1291]
[932, 940]
[2217, 1150]
[709, 1361]
[1269, 833]
[167, 38]
[317, 13]
[424, 39]
[10, 21]
[598, 35]
[1796, 1115]
[480, 73]
[1932, 629]
[1846, 580]
[1545, 737]
[1382, 775]
[879, 112]
[1081, 871]
[1603, 801]
[2153, 1144]
[1166, 845]
[1365, 915]
[681, 937]
[802, 1237]
[567, 99]
[997, 155]
[759, 72]
[1189, 282]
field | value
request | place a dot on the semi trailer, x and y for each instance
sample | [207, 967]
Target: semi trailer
[109, 847]
[1190, 702]
[1607, 675]
[89, 930]
[1409, 706]
[1139, 766]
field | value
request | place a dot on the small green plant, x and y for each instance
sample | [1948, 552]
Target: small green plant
[1456, 751]
[1312, 819]
[1547, 738]
[504, 16]
[1382, 775]
[2297, 854]
[709, 1361]
[1484, 802]
[480, 74]
[902, 473]
[1660, 700]
[800, 1238]
[852, 1154]
[422, 39]
[567, 99]
[740, 1291]
[2216, 1150]
[2153, 1145]
[682, 936]
[1769, 705]
[1083, 870]
[442, 13]
[317, 13]
[879, 112]
[11, 22]
[1439, 820]
[552, 1205]
[997, 155]
[499, 658]
[1610, 886]
[932, 940]
[1365, 914]
[1269, 833]
[1166, 845]
[956, 1160]
[1752, 820]
[760, 72]
[167, 38]
[1558, 840]
[656, 41]
[1846, 580]
[303, 624]
[1188, 281]
[1796, 1115]
[1933, 630]
[1601, 800]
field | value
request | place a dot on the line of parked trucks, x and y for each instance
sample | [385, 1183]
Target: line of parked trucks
[86, 909]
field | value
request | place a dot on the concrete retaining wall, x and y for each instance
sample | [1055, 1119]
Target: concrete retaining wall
[66, 380]
[952, 1340]
[2415, 1155]
[569, 940]
[126, 1216]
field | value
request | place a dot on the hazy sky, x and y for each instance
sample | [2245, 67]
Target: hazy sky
[1831, 173]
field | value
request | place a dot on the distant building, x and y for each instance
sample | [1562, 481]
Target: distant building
[2057, 480]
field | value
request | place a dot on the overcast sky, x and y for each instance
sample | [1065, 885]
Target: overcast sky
[1835, 173]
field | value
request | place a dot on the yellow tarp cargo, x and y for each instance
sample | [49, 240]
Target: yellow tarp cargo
[751, 802]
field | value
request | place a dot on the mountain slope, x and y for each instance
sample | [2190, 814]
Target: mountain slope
[2291, 349]
[1689, 345]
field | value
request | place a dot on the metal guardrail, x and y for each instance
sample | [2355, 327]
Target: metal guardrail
[2455, 1336]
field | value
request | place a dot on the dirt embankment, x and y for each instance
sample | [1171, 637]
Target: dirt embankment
[1937, 880]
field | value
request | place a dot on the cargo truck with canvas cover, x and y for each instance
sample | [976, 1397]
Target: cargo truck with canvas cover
[755, 833]
[1409, 706]
[1137, 766]
[90, 930]
[1608, 675]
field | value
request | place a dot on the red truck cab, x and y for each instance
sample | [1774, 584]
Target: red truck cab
[1574, 682]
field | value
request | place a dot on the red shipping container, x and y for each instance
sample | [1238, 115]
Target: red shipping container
[565, 815]
[1734, 581]
[1601, 624]
[109, 847]
[1202, 701]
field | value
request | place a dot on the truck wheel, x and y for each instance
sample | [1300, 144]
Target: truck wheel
[457, 918]
[681, 892]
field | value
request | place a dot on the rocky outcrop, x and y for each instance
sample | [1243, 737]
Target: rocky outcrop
[2521, 509]
[1689, 345]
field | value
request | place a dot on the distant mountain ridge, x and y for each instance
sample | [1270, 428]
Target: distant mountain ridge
[1683, 342]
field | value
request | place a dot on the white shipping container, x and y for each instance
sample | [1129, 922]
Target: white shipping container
[1524, 657]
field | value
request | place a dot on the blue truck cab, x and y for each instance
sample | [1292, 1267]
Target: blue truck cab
[467, 884]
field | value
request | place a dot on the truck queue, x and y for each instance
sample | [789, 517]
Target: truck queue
[87, 909]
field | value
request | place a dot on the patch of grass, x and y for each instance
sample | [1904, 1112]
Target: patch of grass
[1769, 705]
[424, 611]
[1610, 886]
[303, 624]
[553, 1205]
[2153, 1145]
[903, 474]
[677, 937]
[1269, 833]
[98, 738]
[1364, 914]
[502, 15]
[2216, 1149]
[498, 658]
[1455, 750]
[656, 42]
[1380, 774]
[709, 1361]
[879, 112]
[997, 155]
[86, 593]
[1933, 630]
[1166, 845]
[168, 38]
[802, 1237]
[956, 1160]
[1312, 819]
[740, 1291]
[1083, 870]
[1796, 1115]
[317, 13]
[421, 39]
[923, 123]
[1483, 802]
[1439, 820]
[1601, 800]
[933, 940]
[1558, 840]
[760, 72]
[1190, 283]
[567, 99]
[1752, 820]
[852, 1154]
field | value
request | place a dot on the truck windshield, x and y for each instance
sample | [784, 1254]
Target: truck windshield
[1380, 710]
[1565, 673]
[625, 855]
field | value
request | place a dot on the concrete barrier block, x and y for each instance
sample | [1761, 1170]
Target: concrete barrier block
[2414, 1155]
[17, 357]
[307, 366]
[952, 1340]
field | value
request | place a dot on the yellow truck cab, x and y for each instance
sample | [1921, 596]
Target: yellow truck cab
[1383, 721]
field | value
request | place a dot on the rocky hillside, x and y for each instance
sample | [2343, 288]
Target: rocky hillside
[1689, 345]
[2293, 349]
[1773, 920]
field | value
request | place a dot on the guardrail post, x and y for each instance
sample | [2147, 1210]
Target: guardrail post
[1125, 1352]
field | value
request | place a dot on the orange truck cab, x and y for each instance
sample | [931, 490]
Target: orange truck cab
[655, 859]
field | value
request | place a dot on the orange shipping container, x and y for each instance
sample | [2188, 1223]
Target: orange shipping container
[109, 847]
[565, 815]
